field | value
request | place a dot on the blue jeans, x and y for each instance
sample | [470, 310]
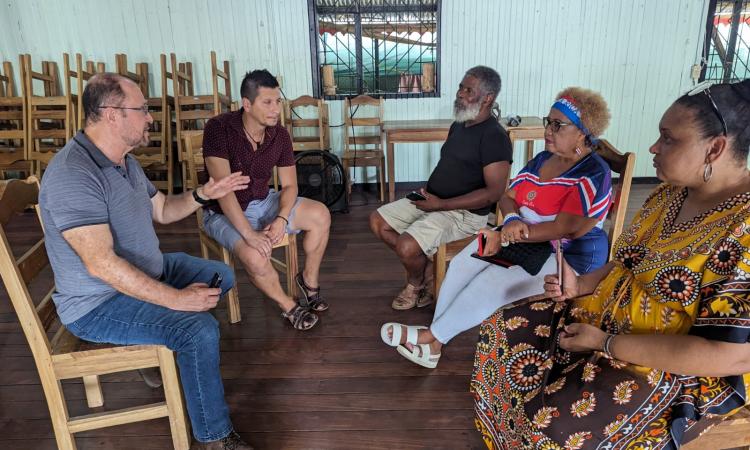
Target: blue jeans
[193, 336]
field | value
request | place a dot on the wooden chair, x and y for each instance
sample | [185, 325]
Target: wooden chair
[364, 148]
[157, 156]
[13, 128]
[731, 433]
[193, 111]
[140, 76]
[306, 120]
[48, 113]
[620, 163]
[194, 148]
[58, 359]
[81, 75]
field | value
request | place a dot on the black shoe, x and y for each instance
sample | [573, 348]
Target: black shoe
[232, 441]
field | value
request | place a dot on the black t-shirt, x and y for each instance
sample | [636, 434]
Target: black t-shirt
[463, 157]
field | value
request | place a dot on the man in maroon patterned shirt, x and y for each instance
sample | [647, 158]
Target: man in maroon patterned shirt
[251, 221]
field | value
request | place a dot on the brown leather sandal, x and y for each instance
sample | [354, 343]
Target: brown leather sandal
[301, 318]
[407, 298]
[312, 300]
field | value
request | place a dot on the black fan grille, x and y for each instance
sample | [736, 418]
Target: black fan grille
[320, 177]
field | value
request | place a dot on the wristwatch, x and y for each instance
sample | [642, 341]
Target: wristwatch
[199, 199]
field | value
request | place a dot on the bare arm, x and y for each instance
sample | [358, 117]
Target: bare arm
[287, 196]
[679, 354]
[495, 180]
[94, 245]
[218, 169]
[171, 208]
[168, 209]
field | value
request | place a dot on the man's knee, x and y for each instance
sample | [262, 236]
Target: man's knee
[377, 223]
[407, 247]
[251, 258]
[321, 216]
[200, 332]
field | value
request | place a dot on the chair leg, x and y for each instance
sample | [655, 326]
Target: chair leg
[58, 412]
[292, 265]
[440, 267]
[233, 298]
[178, 423]
[381, 175]
[94, 397]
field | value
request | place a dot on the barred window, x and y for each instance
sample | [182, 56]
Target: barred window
[385, 48]
[727, 43]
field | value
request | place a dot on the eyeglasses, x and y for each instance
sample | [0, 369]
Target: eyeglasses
[705, 88]
[144, 109]
[554, 124]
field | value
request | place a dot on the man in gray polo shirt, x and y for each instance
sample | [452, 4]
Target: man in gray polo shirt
[113, 283]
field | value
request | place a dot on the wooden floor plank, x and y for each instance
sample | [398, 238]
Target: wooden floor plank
[335, 387]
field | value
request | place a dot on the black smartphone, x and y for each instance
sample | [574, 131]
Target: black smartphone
[216, 280]
[415, 196]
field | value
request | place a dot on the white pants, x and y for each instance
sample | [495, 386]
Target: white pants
[474, 289]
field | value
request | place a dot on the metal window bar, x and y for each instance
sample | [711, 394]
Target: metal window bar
[375, 47]
[727, 43]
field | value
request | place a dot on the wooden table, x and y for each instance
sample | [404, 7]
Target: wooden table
[436, 130]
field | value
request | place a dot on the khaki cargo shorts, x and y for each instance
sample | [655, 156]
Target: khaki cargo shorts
[430, 229]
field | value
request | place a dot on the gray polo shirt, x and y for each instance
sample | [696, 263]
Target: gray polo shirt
[83, 187]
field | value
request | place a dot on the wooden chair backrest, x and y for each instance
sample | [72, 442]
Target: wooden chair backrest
[312, 122]
[193, 141]
[139, 77]
[36, 318]
[7, 81]
[13, 114]
[81, 75]
[48, 114]
[222, 102]
[622, 164]
[160, 108]
[356, 115]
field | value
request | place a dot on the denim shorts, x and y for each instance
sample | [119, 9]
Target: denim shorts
[260, 213]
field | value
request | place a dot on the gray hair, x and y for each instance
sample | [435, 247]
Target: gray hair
[489, 80]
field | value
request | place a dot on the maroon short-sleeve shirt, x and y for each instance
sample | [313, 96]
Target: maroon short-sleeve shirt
[224, 137]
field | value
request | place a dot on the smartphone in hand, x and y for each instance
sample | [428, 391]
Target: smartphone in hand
[415, 196]
[216, 280]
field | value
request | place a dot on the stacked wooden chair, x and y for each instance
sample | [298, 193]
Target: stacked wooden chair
[363, 137]
[61, 357]
[77, 77]
[157, 156]
[13, 127]
[48, 115]
[193, 111]
[194, 160]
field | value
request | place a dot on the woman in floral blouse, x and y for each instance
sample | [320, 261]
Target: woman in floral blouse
[654, 347]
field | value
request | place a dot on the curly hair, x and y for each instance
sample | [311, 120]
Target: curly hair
[594, 111]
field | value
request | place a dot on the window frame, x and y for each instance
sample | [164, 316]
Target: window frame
[728, 71]
[312, 11]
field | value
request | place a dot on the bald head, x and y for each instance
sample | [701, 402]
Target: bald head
[102, 89]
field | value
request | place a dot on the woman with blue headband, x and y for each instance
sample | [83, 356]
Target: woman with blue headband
[564, 194]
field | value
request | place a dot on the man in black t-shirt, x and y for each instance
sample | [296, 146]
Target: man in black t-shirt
[469, 178]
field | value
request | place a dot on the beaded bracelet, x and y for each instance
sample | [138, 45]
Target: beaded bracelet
[510, 217]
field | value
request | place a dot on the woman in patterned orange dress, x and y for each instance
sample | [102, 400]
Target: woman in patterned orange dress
[655, 346]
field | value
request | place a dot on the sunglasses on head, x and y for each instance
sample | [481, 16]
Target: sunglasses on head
[705, 88]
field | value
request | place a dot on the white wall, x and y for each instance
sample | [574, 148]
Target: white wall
[637, 53]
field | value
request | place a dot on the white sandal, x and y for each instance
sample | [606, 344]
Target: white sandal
[412, 332]
[421, 355]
